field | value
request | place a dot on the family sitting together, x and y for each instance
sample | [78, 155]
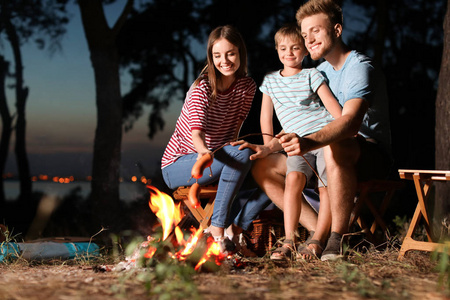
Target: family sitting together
[335, 127]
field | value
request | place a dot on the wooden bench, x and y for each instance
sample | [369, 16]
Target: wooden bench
[423, 180]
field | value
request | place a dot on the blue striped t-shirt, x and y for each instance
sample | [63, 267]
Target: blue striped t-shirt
[296, 103]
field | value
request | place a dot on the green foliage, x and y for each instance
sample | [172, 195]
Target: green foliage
[162, 276]
[443, 265]
[170, 280]
[401, 225]
[399, 221]
[352, 276]
[9, 252]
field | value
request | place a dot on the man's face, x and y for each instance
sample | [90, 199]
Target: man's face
[319, 37]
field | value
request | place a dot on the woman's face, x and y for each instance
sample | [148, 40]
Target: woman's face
[226, 57]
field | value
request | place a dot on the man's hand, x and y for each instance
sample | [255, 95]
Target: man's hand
[293, 144]
[261, 151]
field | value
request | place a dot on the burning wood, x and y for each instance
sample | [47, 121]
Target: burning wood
[197, 248]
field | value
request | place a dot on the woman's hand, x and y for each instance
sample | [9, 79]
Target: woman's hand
[203, 161]
[200, 155]
[261, 151]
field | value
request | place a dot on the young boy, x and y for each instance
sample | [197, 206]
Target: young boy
[294, 93]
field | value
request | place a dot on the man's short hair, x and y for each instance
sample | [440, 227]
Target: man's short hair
[331, 8]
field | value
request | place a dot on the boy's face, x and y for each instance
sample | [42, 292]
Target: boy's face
[291, 52]
[319, 37]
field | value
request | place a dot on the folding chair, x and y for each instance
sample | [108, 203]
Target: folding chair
[386, 189]
[201, 214]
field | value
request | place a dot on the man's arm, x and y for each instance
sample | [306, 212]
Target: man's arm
[341, 128]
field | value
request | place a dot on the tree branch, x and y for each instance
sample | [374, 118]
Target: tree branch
[123, 17]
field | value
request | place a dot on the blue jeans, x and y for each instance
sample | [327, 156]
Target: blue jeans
[229, 169]
[247, 206]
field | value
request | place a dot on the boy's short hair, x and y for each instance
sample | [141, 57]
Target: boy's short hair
[291, 30]
[331, 8]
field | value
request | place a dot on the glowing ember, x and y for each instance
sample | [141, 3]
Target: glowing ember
[212, 252]
[151, 251]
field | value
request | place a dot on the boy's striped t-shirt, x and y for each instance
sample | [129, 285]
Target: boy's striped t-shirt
[295, 99]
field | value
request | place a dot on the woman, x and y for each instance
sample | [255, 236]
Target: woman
[215, 107]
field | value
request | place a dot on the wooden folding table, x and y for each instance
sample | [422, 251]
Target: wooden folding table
[423, 180]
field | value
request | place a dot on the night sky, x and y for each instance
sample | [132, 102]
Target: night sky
[61, 112]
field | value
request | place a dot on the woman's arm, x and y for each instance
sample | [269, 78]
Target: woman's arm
[198, 139]
[266, 117]
[329, 101]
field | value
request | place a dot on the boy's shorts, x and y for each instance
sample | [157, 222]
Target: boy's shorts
[315, 159]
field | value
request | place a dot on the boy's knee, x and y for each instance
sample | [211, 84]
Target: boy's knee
[295, 179]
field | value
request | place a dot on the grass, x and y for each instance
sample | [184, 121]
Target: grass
[368, 272]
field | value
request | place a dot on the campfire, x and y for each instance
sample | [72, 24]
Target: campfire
[181, 244]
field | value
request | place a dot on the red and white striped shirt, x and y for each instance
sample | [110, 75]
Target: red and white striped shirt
[219, 121]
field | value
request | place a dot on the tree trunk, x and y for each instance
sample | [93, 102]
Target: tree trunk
[443, 124]
[21, 98]
[108, 135]
[6, 128]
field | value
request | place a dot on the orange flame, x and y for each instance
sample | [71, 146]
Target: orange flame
[212, 252]
[170, 215]
[151, 251]
[165, 209]
[190, 245]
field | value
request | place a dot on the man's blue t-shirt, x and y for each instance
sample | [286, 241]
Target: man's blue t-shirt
[358, 79]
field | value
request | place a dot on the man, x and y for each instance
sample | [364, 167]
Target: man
[356, 145]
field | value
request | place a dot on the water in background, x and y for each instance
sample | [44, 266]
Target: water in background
[129, 191]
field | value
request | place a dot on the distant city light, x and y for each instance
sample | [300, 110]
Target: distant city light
[69, 179]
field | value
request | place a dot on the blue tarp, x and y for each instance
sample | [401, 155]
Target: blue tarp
[48, 250]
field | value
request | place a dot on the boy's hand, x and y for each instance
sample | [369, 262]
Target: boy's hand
[292, 144]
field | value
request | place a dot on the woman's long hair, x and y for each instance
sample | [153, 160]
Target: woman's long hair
[232, 35]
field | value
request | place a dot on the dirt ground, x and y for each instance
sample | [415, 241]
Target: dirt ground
[376, 275]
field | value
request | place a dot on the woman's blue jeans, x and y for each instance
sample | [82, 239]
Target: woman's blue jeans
[247, 206]
[229, 169]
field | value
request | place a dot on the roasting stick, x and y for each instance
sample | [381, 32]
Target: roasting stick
[206, 160]
[252, 134]
[240, 138]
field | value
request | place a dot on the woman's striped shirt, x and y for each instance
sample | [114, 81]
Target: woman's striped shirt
[219, 120]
